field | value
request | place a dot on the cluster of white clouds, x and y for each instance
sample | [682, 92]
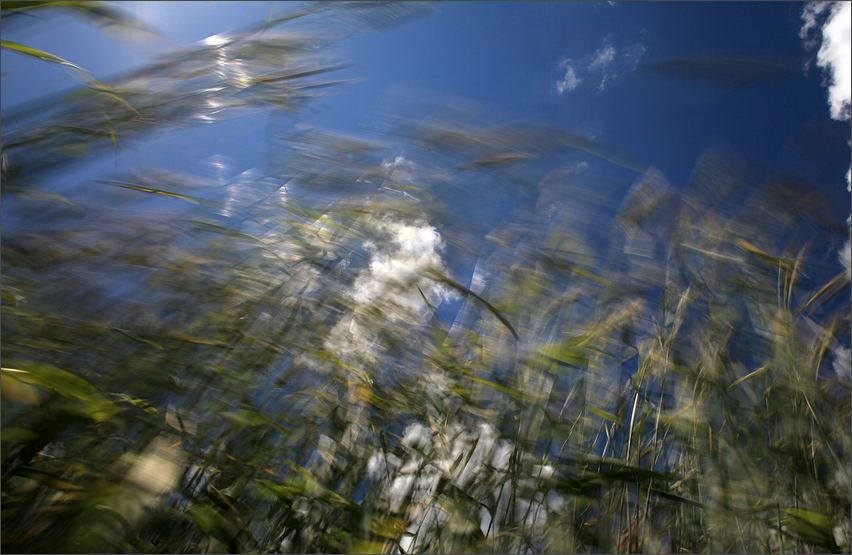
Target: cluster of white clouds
[398, 259]
[601, 67]
[833, 20]
[400, 169]
[603, 58]
[394, 282]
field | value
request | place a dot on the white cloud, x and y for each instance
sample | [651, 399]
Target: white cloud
[397, 263]
[835, 53]
[569, 82]
[810, 18]
[834, 19]
[607, 64]
[836, 56]
[400, 169]
[601, 63]
[634, 54]
[603, 58]
[399, 255]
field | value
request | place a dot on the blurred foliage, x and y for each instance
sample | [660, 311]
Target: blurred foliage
[274, 373]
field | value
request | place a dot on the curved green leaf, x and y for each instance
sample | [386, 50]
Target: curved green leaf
[210, 521]
[810, 525]
[47, 377]
[603, 414]
[85, 76]
[440, 277]
[51, 378]
[144, 189]
[18, 435]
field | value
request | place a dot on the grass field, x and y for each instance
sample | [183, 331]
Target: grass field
[664, 372]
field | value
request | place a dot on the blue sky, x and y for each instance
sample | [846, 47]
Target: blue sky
[567, 63]
[570, 64]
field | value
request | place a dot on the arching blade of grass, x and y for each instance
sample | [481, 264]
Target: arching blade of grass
[764, 256]
[214, 228]
[174, 90]
[440, 277]
[251, 418]
[36, 192]
[143, 189]
[50, 378]
[50, 480]
[316, 7]
[514, 392]
[425, 300]
[828, 291]
[679, 498]
[116, 21]
[47, 57]
[603, 414]
[810, 525]
[211, 522]
[567, 267]
[749, 376]
[81, 73]
[606, 152]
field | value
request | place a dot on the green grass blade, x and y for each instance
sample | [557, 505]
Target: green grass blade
[440, 277]
[144, 189]
[84, 75]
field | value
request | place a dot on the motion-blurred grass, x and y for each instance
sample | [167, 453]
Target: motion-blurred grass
[276, 374]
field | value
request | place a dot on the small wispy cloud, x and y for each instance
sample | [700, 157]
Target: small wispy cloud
[603, 58]
[400, 169]
[634, 54]
[570, 81]
[603, 66]
[811, 16]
